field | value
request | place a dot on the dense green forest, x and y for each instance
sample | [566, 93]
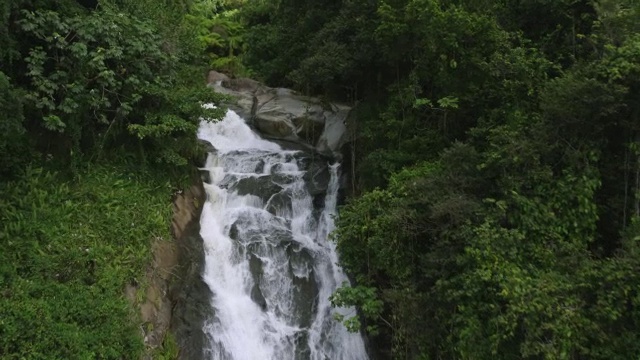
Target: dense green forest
[99, 104]
[494, 208]
[495, 211]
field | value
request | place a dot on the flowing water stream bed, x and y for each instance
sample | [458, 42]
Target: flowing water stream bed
[268, 259]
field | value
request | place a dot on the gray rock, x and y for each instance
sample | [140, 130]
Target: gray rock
[215, 77]
[261, 186]
[208, 147]
[255, 266]
[309, 129]
[275, 127]
[189, 294]
[317, 177]
[283, 114]
[301, 116]
[334, 135]
[280, 202]
[241, 101]
[241, 84]
[306, 288]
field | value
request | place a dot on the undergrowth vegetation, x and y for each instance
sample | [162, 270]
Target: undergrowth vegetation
[69, 247]
[99, 106]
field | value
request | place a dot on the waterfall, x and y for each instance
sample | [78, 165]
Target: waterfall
[268, 260]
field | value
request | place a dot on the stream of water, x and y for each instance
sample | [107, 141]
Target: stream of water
[268, 260]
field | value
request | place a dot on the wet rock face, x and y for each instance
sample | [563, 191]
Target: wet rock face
[161, 293]
[262, 186]
[306, 287]
[189, 295]
[300, 268]
[283, 114]
[269, 264]
[279, 204]
[154, 305]
[215, 76]
[317, 178]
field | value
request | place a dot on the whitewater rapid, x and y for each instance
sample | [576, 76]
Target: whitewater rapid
[268, 260]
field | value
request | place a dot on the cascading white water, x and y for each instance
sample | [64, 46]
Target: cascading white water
[268, 260]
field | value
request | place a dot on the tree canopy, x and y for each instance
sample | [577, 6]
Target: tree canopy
[99, 106]
[495, 207]
[89, 81]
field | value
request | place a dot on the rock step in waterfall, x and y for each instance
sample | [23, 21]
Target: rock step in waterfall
[284, 115]
[265, 225]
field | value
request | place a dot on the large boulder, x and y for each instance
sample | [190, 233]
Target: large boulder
[283, 114]
[241, 100]
[241, 85]
[334, 134]
[216, 77]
